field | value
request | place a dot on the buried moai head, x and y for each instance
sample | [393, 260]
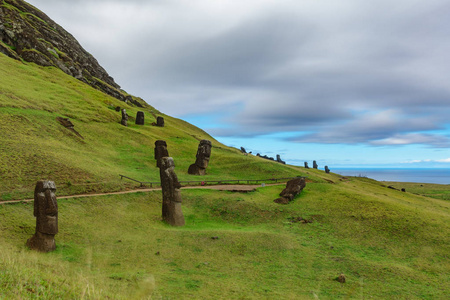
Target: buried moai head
[202, 159]
[124, 120]
[160, 121]
[140, 118]
[306, 165]
[160, 151]
[171, 206]
[46, 213]
[315, 165]
[327, 170]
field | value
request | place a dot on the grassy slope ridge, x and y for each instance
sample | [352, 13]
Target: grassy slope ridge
[388, 243]
[35, 146]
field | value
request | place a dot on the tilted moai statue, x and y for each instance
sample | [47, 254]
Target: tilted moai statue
[203, 155]
[124, 121]
[293, 187]
[160, 151]
[306, 165]
[46, 213]
[315, 165]
[327, 170]
[160, 121]
[171, 206]
[140, 118]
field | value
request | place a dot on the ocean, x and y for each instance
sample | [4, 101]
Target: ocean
[422, 175]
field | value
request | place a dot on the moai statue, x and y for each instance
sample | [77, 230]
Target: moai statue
[280, 160]
[293, 187]
[327, 170]
[46, 213]
[315, 165]
[306, 165]
[160, 151]
[203, 155]
[171, 206]
[160, 121]
[243, 150]
[140, 118]
[124, 121]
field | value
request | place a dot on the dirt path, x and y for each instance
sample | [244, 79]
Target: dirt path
[224, 187]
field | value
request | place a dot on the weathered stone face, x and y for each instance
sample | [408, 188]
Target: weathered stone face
[160, 121]
[160, 151]
[140, 118]
[124, 120]
[171, 207]
[306, 165]
[46, 213]
[315, 165]
[327, 170]
[202, 158]
[280, 160]
[293, 188]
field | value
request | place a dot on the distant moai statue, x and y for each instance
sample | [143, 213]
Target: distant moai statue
[203, 156]
[171, 206]
[315, 165]
[160, 121]
[140, 118]
[160, 151]
[306, 165]
[293, 187]
[46, 213]
[327, 170]
[280, 160]
[243, 150]
[124, 120]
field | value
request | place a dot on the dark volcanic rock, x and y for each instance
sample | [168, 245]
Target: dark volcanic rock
[171, 207]
[202, 158]
[160, 121]
[46, 213]
[293, 188]
[140, 118]
[124, 120]
[29, 34]
[160, 151]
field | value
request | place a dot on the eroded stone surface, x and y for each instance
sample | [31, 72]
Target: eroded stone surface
[46, 213]
[124, 120]
[293, 188]
[171, 207]
[202, 158]
[160, 151]
[160, 121]
[140, 118]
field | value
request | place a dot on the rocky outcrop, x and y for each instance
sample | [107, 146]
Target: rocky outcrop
[28, 34]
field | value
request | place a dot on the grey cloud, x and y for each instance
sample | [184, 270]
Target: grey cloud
[318, 68]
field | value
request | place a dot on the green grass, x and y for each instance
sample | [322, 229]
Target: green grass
[388, 245]
[438, 191]
[35, 146]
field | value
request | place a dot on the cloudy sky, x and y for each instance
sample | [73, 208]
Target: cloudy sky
[347, 83]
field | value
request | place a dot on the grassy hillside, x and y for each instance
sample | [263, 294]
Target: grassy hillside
[35, 146]
[389, 245]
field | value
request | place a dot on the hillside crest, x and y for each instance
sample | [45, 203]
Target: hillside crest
[28, 34]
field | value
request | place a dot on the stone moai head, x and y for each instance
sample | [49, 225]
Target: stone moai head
[160, 121]
[140, 118]
[171, 206]
[306, 165]
[160, 151]
[315, 165]
[46, 213]
[327, 170]
[203, 154]
[124, 121]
